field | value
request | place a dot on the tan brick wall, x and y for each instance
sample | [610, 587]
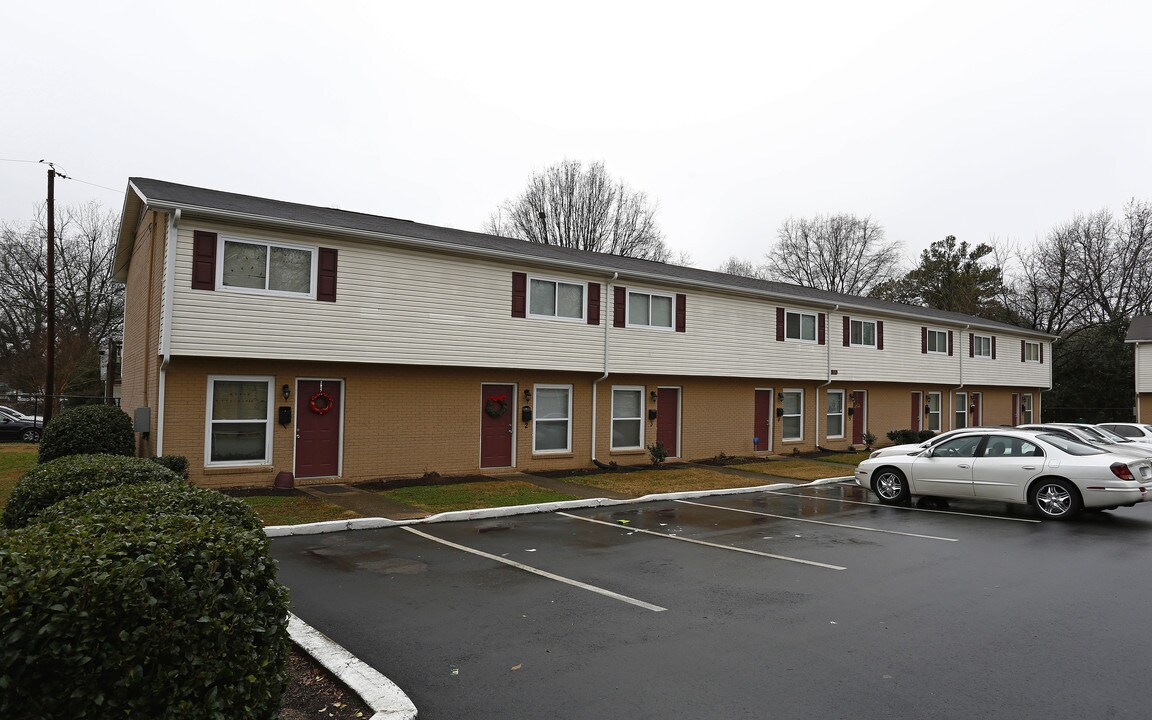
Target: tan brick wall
[142, 300]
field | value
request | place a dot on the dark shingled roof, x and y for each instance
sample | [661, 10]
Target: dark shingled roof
[1140, 329]
[167, 195]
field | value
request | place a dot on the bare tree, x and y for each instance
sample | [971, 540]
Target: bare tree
[584, 208]
[743, 268]
[843, 253]
[89, 304]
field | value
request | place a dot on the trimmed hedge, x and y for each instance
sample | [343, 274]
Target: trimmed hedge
[909, 437]
[176, 463]
[53, 481]
[139, 615]
[154, 498]
[102, 429]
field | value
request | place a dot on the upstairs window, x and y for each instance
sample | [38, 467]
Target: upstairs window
[863, 333]
[982, 346]
[650, 310]
[800, 326]
[267, 267]
[556, 299]
[1031, 351]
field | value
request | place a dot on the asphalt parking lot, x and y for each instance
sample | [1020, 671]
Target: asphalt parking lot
[806, 603]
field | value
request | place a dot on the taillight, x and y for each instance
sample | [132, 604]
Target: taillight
[1121, 471]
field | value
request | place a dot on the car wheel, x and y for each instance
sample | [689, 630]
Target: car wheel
[891, 487]
[1056, 499]
[30, 435]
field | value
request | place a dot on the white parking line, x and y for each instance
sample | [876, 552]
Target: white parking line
[902, 507]
[819, 522]
[542, 573]
[702, 542]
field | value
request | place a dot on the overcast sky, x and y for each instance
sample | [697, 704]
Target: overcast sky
[976, 119]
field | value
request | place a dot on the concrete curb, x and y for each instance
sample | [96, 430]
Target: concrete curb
[386, 699]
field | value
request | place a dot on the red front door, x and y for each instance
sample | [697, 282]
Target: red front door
[497, 414]
[319, 408]
[859, 402]
[762, 431]
[668, 420]
[917, 408]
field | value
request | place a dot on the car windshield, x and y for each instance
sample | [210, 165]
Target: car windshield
[1072, 447]
[1112, 436]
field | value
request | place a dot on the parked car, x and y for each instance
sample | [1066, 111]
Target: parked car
[16, 429]
[1135, 431]
[10, 412]
[1092, 438]
[1056, 475]
[1111, 437]
[917, 447]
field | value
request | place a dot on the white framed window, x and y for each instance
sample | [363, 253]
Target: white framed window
[862, 333]
[800, 325]
[792, 421]
[933, 405]
[1026, 409]
[1031, 351]
[960, 411]
[937, 341]
[552, 418]
[982, 346]
[627, 418]
[646, 309]
[834, 423]
[555, 299]
[239, 414]
[260, 266]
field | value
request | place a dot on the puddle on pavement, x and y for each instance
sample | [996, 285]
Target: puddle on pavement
[372, 560]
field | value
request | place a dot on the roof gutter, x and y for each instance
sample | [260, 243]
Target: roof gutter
[827, 370]
[597, 381]
[440, 246]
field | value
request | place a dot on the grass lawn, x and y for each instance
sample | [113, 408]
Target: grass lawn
[796, 469]
[295, 509]
[15, 460]
[664, 480]
[473, 495]
[852, 459]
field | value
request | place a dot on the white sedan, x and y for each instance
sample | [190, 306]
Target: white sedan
[1054, 474]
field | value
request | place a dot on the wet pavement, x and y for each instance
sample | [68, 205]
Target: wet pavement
[975, 611]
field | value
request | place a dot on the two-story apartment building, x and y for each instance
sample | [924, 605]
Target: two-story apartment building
[266, 336]
[1140, 335]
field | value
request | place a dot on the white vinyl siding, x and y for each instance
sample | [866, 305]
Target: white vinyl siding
[792, 421]
[627, 418]
[552, 418]
[239, 420]
[834, 417]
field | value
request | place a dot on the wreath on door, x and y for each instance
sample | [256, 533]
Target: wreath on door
[321, 403]
[496, 406]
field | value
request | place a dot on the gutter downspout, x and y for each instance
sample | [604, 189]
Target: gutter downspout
[166, 324]
[1052, 361]
[597, 381]
[828, 375]
[952, 400]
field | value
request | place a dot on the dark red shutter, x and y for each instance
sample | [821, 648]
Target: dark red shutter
[326, 275]
[820, 330]
[1023, 354]
[619, 306]
[847, 331]
[971, 345]
[949, 343]
[519, 295]
[203, 260]
[923, 340]
[993, 347]
[1041, 352]
[779, 324]
[879, 334]
[681, 311]
[593, 303]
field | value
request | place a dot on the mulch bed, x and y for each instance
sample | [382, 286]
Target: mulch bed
[313, 692]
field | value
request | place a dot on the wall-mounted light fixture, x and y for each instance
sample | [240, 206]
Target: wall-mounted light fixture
[653, 395]
[780, 397]
[779, 412]
[852, 410]
[286, 391]
[527, 394]
[652, 416]
[927, 409]
[972, 409]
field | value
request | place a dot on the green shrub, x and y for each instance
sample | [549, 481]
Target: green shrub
[924, 435]
[902, 437]
[176, 463]
[139, 615]
[88, 429]
[657, 452]
[53, 481]
[153, 498]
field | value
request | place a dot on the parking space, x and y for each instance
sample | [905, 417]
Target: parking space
[731, 606]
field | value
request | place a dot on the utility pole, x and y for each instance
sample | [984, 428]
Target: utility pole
[50, 371]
